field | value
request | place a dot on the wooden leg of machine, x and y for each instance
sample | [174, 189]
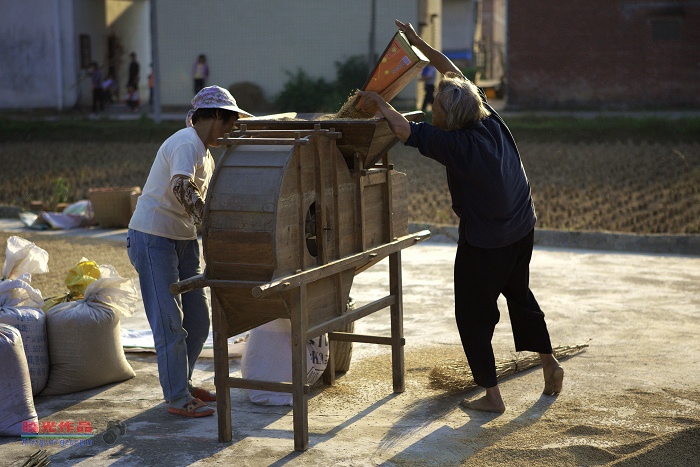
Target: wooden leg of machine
[221, 371]
[300, 403]
[329, 373]
[397, 357]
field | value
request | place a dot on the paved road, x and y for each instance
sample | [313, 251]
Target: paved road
[639, 312]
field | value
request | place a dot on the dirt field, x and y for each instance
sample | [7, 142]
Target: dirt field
[622, 187]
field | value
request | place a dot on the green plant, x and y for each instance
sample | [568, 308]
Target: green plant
[470, 73]
[61, 190]
[102, 131]
[302, 93]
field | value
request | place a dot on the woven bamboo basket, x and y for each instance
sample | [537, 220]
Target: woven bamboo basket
[113, 206]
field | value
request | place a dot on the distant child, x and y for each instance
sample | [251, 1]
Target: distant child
[200, 73]
[132, 98]
[151, 85]
[96, 76]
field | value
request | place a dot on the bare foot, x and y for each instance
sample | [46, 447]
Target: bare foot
[490, 402]
[553, 374]
[553, 382]
[484, 404]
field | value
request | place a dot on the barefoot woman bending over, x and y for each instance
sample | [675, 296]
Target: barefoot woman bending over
[491, 195]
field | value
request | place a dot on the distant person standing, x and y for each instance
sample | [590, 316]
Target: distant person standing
[428, 77]
[97, 100]
[151, 85]
[200, 73]
[134, 70]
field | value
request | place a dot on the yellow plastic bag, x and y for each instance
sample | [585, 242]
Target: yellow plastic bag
[78, 278]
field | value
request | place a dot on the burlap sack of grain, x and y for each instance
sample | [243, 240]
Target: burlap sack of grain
[20, 307]
[84, 338]
[16, 401]
[268, 357]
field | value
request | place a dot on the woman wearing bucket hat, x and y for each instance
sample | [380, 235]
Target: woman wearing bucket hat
[162, 245]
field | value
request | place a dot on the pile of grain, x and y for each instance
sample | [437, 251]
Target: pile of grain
[348, 110]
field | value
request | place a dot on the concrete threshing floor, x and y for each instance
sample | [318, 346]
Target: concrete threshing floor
[632, 395]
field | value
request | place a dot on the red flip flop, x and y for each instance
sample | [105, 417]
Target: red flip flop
[190, 409]
[203, 394]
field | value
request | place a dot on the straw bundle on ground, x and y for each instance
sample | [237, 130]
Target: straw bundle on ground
[456, 376]
[38, 459]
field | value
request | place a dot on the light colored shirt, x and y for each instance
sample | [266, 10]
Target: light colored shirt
[158, 212]
[200, 71]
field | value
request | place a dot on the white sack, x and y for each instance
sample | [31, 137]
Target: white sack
[268, 357]
[23, 257]
[16, 402]
[20, 307]
[84, 337]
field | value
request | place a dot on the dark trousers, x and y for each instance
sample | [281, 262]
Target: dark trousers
[198, 85]
[97, 100]
[429, 97]
[481, 275]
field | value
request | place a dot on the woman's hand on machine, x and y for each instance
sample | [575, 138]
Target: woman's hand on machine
[371, 102]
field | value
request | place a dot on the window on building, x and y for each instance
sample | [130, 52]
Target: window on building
[85, 51]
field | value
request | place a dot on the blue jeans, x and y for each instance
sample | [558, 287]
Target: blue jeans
[180, 323]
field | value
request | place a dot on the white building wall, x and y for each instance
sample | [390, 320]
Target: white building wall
[28, 56]
[66, 94]
[40, 56]
[458, 25]
[260, 40]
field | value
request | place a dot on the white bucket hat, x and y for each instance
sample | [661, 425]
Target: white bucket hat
[214, 97]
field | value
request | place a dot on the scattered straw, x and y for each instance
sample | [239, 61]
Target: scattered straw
[456, 376]
[335, 117]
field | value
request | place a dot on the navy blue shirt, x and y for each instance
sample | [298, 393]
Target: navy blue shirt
[487, 181]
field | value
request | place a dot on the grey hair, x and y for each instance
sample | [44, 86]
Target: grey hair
[461, 101]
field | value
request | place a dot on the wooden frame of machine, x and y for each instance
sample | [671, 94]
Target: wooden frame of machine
[296, 208]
